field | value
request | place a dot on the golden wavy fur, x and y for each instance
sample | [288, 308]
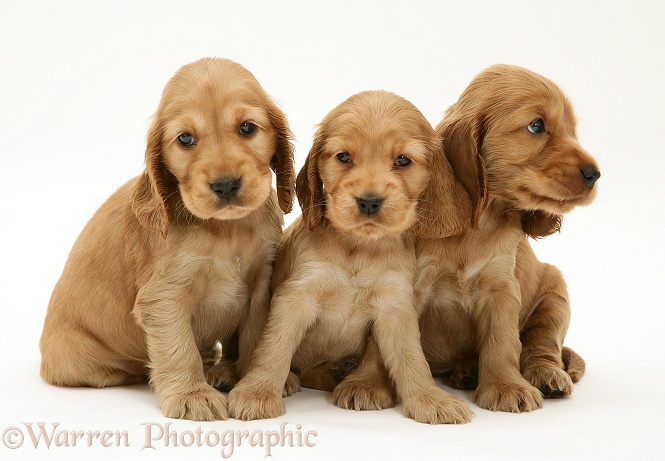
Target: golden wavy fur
[492, 314]
[348, 265]
[181, 256]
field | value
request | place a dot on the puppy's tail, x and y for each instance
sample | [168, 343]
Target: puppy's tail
[573, 363]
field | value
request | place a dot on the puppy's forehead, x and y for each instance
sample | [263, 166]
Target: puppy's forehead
[375, 118]
[520, 89]
[209, 85]
[213, 94]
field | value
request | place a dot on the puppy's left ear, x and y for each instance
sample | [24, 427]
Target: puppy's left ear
[444, 208]
[282, 161]
[538, 223]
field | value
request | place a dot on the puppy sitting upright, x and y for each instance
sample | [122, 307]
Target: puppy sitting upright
[348, 264]
[181, 256]
[511, 139]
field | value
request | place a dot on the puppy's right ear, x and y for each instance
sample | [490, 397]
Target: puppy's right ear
[309, 187]
[150, 189]
[462, 139]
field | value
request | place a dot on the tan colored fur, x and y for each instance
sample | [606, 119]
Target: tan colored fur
[341, 273]
[487, 300]
[165, 268]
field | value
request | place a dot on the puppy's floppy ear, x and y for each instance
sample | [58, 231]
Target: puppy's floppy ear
[462, 139]
[150, 189]
[540, 223]
[309, 187]
[444, 208]
[282, 161]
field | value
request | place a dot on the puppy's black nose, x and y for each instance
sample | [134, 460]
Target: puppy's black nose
[369, 205]
[226, 188]
[590, 175]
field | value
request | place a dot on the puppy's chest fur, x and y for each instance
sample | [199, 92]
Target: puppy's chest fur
[454, 272]
[345, 281]
[220, 264]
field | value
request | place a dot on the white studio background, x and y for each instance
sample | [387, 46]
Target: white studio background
[79, 81]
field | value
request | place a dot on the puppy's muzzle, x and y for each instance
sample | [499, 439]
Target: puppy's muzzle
[590, 175]
[226, 188]
[370, 204]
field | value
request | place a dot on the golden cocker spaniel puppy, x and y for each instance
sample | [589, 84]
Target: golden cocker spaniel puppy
[487, 300]
[179, 258]
[347, 265]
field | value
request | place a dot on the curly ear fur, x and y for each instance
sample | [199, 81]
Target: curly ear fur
[282, 161]
[444, 208]
[462, 138]
[150, 190]
[540, 223]
[309, 187]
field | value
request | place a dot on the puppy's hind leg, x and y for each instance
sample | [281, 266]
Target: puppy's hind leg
[77, 359]
[542, 337]
[573, 363]
[369, 386]
[219, 364]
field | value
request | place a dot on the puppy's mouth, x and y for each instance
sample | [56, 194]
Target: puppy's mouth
[369, 229]
[369, 215]
[231, 210]
[530, 200]
[225, 198]
[373, 227]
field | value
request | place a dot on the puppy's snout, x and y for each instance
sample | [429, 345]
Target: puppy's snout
[590, 175]
[370, 204]
[226, 188]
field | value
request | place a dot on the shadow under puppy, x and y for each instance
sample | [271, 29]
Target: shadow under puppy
[494, 315]
[347, 265]
[181, 256]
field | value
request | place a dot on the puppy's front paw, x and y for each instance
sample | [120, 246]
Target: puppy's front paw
[221, 376]
[247, 403]
[292, 385]
[515, 396]
[437, 407]
[205, 404]
[357, 394]
[552, 382]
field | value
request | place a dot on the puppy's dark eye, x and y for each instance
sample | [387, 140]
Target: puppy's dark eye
[402, 161]
[247, 128]
[344, 157]
[536, 127]
[186, 139]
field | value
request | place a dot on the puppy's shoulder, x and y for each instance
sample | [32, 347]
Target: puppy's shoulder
[300, 245]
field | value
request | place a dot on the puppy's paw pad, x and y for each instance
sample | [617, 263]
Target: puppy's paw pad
[201, 405]
[248, 403]
[354, 394]
[437, 407]
[292, 385]
[551, 381]
[515, 397]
